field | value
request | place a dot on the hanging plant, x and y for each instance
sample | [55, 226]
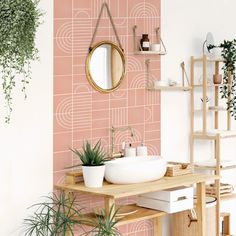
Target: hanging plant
[19, 20]
[228, 90]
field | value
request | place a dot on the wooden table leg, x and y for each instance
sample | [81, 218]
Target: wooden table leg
[157, 226]
[109, 202]
[201, 209]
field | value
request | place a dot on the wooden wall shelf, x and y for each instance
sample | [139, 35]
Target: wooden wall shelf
[137, 45]
[150, 53]
[169, 88]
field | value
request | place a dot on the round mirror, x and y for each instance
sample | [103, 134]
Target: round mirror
[105, 66]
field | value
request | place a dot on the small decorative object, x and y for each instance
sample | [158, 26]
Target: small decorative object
[225, 189]
[207, 102]
[19, 22]
[130, 151]
[142, 150]
[171, 200]
[93, 164]
[172, 82]
[155, 47]
[176, 169]
[207, 99]
[228, 91]
[54, 216]
[217, 79]
[145, 43]
[158, 83]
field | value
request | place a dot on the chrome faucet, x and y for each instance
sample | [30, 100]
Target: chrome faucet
[113, 131]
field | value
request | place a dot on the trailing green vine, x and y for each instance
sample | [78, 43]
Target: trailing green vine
[19, 20]
[229, 55]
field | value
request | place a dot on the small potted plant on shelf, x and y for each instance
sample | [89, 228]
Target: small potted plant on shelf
[207, 102]
[93, 163]
[228, 89]
[56, 215]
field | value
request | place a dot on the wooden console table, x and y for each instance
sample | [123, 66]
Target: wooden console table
[111, 192]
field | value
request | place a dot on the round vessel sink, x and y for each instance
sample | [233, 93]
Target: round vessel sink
[131, 170]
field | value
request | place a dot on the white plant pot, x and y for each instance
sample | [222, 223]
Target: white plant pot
[93, 176]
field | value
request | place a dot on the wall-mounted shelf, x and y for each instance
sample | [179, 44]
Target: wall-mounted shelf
[149, 52]
[138, 48]
[151, 86]
[171, 88]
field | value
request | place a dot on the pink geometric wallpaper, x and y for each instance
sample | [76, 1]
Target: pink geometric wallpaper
[80, 112]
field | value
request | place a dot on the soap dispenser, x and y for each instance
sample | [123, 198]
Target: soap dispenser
[130, 151]
[142, 150]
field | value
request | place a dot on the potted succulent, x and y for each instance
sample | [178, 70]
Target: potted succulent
[93, 163]
[55, 216]
[228, 53]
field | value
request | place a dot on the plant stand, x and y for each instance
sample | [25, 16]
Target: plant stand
[216, 135]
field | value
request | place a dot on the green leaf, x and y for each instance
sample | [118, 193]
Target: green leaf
[19, 20]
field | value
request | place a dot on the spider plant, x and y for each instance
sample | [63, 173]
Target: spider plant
[53, 217]
[106, 225]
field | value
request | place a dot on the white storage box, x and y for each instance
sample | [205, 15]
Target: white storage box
[171, 195]
[170, 200]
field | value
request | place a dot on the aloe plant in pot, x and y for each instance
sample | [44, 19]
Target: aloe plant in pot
[93, 163]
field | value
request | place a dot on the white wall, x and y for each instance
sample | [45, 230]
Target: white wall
[26, 146]
[184, 27]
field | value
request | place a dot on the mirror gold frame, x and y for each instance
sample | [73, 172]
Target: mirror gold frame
[88, 72]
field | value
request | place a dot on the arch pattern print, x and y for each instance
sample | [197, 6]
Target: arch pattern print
[81, 113]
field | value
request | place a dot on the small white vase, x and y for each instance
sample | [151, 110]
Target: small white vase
[93, 176]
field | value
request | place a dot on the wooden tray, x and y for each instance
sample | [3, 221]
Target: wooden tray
[177, 168]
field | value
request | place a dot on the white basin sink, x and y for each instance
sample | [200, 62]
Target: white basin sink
[131, 170]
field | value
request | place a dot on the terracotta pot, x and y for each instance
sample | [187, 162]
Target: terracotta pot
[217, 79]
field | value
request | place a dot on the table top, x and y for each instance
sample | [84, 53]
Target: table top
[118, 191]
